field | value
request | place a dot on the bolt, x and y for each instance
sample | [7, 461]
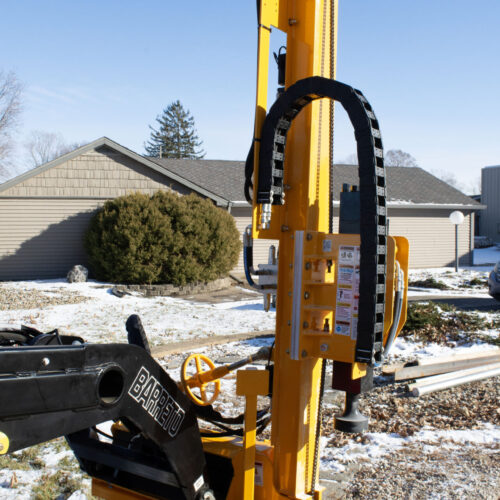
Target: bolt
[284, 228]
[290, 265]
[304, 353]
[288, 322]
[287, 187]
[305, 324]
[306, 295]
[289, 294]
[292, 21]
[308, 266]
[45, 362]
[323, 347]
[309, 237]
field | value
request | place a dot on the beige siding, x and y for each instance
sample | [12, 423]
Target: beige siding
[243, 218]
[43, 219]
[432, 236]
[101, 173]
[42, 238]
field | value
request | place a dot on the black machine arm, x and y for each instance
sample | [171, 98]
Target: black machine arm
[53, 391]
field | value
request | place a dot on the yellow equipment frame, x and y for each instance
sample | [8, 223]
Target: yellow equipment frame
[284, 466]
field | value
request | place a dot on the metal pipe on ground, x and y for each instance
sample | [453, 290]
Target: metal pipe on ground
[451, 375]
[439, 386]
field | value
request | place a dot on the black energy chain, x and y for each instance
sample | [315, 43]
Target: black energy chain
[372, 191]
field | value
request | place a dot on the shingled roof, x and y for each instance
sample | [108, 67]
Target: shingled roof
[406, 186]
[222, 181]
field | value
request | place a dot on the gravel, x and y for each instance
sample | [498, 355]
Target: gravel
[419, 470]
[15, 298]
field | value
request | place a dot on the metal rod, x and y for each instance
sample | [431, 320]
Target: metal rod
[439, 386]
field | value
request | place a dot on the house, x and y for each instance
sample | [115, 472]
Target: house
[490, 196]
[45, 211]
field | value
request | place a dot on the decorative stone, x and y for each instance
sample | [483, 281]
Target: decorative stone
[77, 274]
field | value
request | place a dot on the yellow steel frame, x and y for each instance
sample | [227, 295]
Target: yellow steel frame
[311, 38]
[283, 467]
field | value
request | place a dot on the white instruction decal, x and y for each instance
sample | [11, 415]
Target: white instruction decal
[327, 245]
[346, 312]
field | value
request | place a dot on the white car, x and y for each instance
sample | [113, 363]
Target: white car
[494, 282]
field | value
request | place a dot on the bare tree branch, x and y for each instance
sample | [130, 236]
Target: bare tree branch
[42, 147]
[398, 158]
[10, 109]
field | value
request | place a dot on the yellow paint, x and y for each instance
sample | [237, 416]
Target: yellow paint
[320, 285]
[102, 489]
[200, 380]
[4, 443]
[232, 448]
[250, 383]
[358, 370]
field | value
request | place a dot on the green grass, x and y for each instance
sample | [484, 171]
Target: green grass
[441, 323]
[61, 484]
[429, 283]
[27, 459]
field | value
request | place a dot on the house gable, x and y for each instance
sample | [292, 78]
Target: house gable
[98, 173]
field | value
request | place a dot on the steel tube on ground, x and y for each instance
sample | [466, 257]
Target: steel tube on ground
[439, 386]
[452, 375]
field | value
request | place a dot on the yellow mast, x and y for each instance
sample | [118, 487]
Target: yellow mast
[311, 41]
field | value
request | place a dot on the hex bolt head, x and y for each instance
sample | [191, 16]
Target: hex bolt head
[45, 362]
[308, 266]
[309, 237]
[305, 324]
[306, 295]
[304, 353]
[323, 347]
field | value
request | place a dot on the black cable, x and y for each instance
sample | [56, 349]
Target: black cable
[98, 431]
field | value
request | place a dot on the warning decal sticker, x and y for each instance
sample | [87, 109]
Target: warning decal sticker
[346, 312]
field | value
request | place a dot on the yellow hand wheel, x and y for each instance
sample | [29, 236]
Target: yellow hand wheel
[200, 380]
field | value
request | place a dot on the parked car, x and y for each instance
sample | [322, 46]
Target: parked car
[494, 282]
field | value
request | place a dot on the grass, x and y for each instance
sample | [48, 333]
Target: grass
[27, 459]
[429, 283]
[441, 323]
[474, 282]
[61, 484]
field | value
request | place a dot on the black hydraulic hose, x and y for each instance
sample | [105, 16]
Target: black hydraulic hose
[249, 163]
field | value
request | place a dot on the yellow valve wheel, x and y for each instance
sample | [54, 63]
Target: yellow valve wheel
[209, 389]
[4, 443]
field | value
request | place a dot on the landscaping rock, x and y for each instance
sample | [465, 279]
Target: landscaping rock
[77, 274]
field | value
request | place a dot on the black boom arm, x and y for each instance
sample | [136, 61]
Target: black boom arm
[53, 391]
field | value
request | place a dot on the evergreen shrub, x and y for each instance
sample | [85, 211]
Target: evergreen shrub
[164, 238]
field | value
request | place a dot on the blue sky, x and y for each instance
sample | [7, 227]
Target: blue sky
[429, 68]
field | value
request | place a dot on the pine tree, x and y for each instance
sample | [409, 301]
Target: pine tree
[176, 135]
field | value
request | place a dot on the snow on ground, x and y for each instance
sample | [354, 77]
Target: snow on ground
[30, 473]
[377, 445]
[490, 255]
[458, 284]
[404, 349]
[102, 318]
